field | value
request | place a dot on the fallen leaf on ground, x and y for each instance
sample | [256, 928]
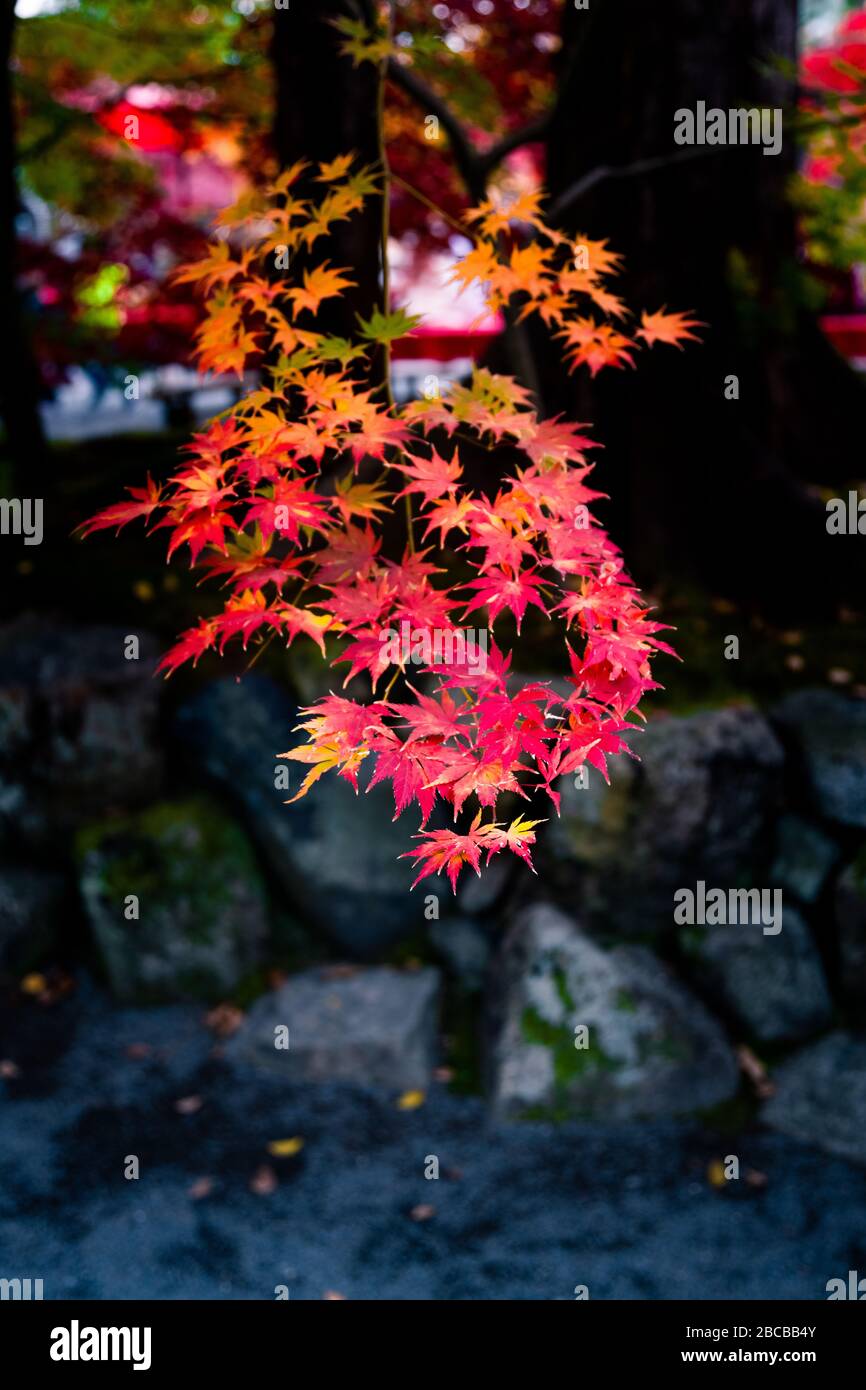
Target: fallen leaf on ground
[716, 1173]
[423, 1212]
[284, 1148]
[410, 1100]
[202, 1187]
[756, 1072]
[224, 1020]
[263, 1181]
[755, 1178]
[188, 1105]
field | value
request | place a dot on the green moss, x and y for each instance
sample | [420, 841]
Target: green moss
[171, 851]
[561, 986]
[569, 1062]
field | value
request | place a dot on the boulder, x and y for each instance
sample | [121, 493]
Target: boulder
[576, 1030]
[827, 735]
[174, 900]
[373, 1025]
[805, 857]
[851, 918]
[334, 853]
[32, 906]
[773, 985]
[820, 1096]
[78, 720]
[699, 804]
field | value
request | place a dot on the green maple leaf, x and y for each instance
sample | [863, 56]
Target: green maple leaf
[385, 328]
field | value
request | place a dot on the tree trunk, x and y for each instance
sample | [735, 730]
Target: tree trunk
[19, 382]
[326, 107]
[702, 482]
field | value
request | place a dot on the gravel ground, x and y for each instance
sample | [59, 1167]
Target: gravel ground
[523, 1212]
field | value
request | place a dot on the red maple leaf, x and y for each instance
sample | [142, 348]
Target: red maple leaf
[144, 502]
[500, 588]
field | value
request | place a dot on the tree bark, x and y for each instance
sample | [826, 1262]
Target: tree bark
[327, 107]
[704, 483]
[19, 381]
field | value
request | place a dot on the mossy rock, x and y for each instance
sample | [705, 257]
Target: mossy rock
[175, 901]
[577, 1031]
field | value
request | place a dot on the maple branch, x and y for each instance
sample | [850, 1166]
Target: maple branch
[525, 135]
[434, 207]
[466, 156]
[475, 166]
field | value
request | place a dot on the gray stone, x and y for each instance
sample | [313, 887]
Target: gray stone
[804, 858]
[652, 1048]
[774, 985]
[465, 947]
[699, 804]
[202, 909]
[820, 1096]
[22, 821]
[372, 1025]
[78, 721]
[851, 919]
[827, 732]
[32, 905]
[335, 854]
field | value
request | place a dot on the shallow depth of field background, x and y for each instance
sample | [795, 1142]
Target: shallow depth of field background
[432, 1131]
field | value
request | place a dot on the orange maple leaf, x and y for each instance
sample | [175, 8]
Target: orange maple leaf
[321, 283]
[667, 328]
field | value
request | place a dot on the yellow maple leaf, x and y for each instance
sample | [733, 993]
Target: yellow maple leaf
[411, 1100]
[285, 1148]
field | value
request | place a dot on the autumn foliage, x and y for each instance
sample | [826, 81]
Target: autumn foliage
[282, 500]
[831, 186]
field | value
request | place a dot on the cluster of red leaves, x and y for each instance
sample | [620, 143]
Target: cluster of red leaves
[831, 185]
[300, 554]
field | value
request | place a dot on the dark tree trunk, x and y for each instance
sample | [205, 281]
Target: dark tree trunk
[701, 482]
[19, 383]
[327, 107]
